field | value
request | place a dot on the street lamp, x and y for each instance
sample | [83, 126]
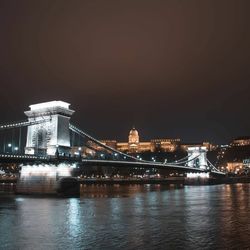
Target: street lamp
[9, 148]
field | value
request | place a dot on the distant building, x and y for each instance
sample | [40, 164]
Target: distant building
[234, 167]
[165, 145]
[238, 167]
[241, 141]
[134, 145]
[133, 141]
[208, 145]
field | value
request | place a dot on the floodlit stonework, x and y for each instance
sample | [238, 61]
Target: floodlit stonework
[52, 135]
[197, 157]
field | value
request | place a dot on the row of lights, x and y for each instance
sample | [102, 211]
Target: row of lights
[20, 124]
[22, 156]
[13, 125]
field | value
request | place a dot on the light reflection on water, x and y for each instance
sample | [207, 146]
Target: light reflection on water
[130, 217]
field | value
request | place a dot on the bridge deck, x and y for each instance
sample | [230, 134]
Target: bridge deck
[10, 158]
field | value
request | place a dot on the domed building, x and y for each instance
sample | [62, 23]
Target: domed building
[133, 140]
[133, 145]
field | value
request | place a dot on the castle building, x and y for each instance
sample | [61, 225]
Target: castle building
[134, 145]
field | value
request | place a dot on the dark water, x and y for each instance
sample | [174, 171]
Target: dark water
[130, 217]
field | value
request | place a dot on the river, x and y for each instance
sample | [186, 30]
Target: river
[130, 217]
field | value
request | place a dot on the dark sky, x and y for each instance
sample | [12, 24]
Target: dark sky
[172, 68]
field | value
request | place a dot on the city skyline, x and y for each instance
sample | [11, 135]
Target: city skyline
[171, 68]
[144, 138]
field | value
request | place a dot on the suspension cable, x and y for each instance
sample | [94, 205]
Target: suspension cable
[179, 160]
[213, 167]
[23, 124]
[79, 131]
[187, 160]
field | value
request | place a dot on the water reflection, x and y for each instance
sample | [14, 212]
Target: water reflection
[130, 217]
[117, 190]
[74, 218]
[234, 212]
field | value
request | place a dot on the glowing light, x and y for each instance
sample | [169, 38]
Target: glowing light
[196, 175]
[63, 170]
[19, 199]
[52, 104]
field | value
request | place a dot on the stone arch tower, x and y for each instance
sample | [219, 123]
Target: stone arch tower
[52, 135]
[199, 154]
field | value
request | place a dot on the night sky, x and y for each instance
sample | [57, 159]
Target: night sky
[172, 68]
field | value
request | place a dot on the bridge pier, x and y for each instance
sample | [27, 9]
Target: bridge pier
[47, 179]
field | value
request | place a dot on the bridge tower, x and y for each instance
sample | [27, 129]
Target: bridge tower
[199, 156]
[52, 134]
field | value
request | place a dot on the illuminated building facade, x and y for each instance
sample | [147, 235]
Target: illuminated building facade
[238, 166]
[134, 145]
[133, 140]
[241, 141]
[234, 167]
[207, 145]
[165, 145]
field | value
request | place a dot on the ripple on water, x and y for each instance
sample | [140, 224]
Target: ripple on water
[130, 217]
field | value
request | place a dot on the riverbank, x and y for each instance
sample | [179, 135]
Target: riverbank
[174, 180]
[170, 180]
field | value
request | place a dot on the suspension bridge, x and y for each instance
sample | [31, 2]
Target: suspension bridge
[44, 145]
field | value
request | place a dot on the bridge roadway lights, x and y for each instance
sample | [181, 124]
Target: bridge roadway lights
[48, 179]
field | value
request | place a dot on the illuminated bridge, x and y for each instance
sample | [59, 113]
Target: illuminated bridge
[44, 146]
